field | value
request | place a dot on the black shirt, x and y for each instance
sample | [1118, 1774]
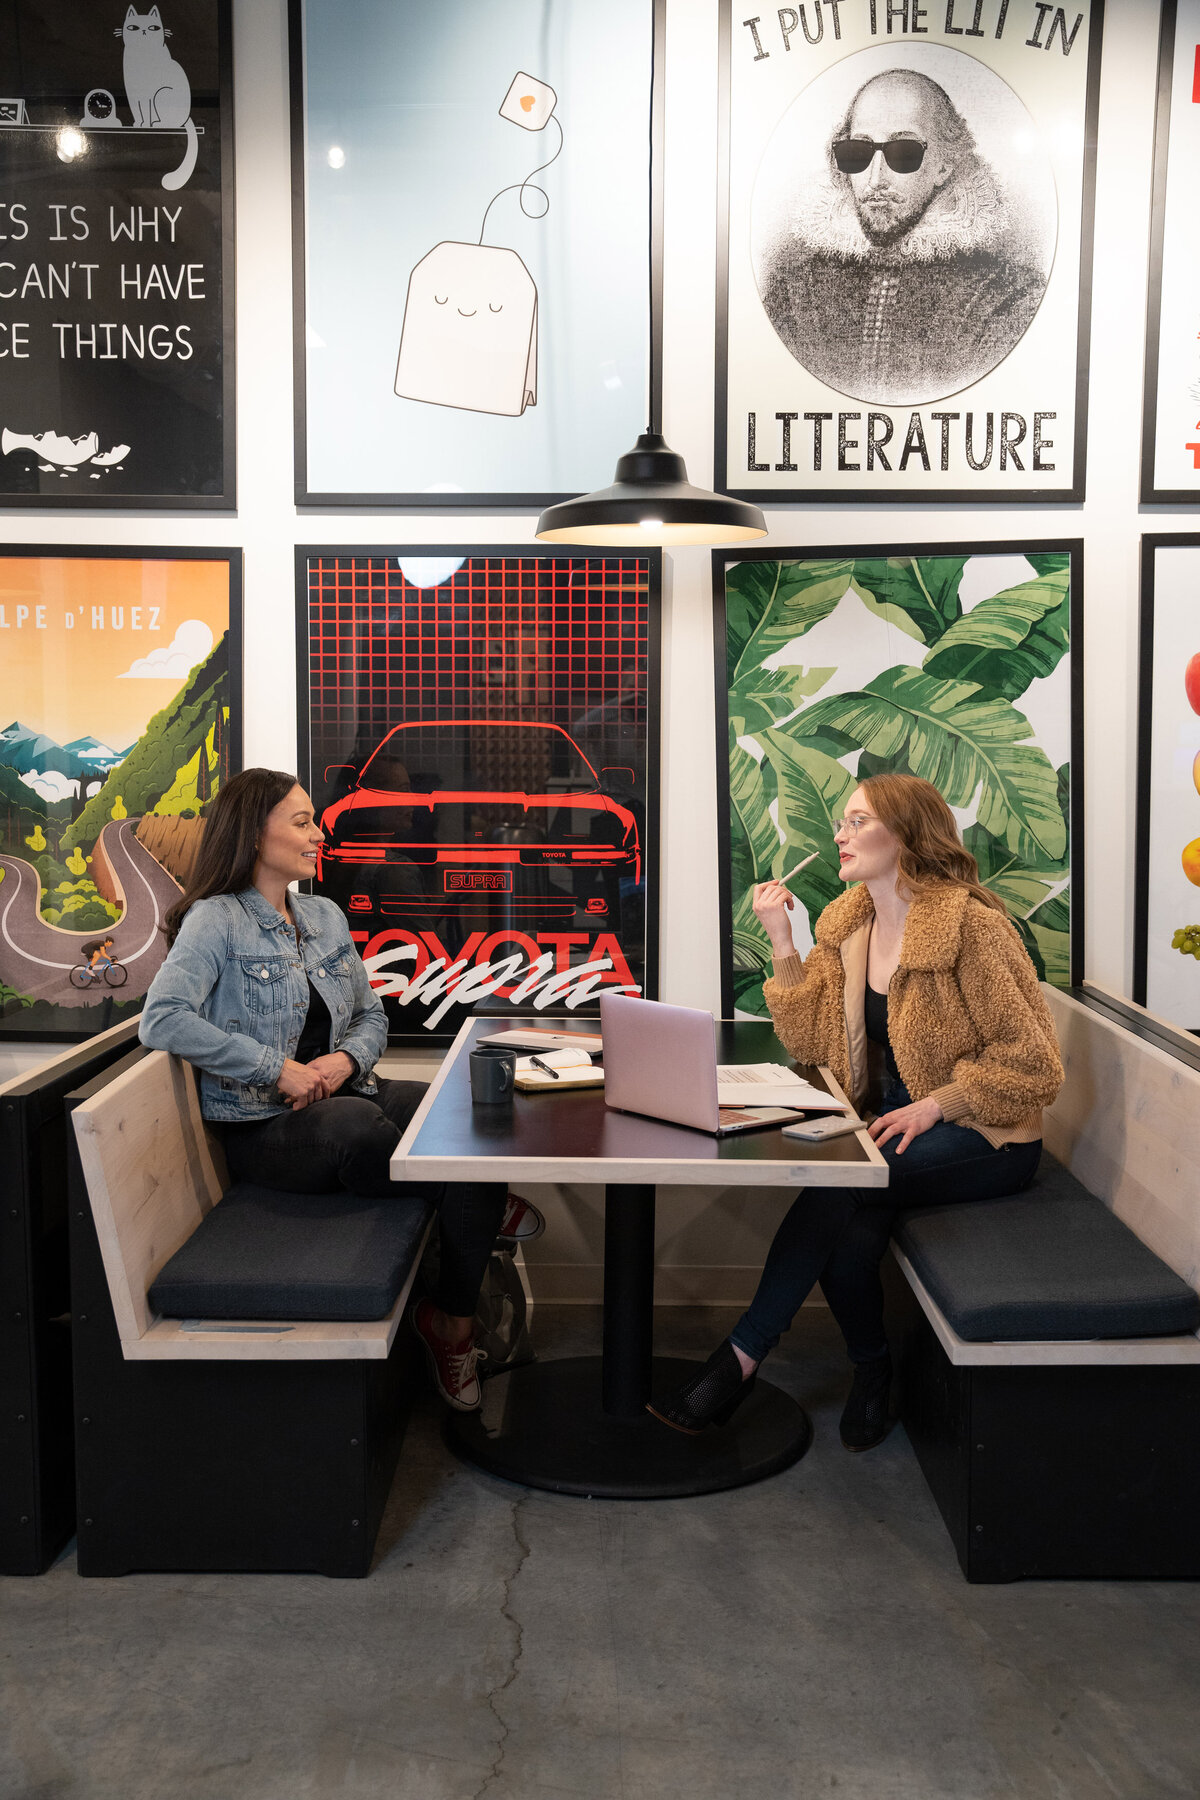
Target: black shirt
[318, 1029]
[875, 1014]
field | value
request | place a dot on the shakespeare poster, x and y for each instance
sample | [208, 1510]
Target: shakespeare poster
[903, 296]
[1171, 426]
[472, 231]
[479, 732]
[1166, 953]
[962, 664]
[120, 696]
[116, 254]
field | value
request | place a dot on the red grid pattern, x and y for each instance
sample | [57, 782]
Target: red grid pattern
[506, 637]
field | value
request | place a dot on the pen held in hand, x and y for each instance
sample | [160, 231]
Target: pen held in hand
[784, 879]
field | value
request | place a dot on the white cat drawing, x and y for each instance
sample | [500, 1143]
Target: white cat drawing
[156, 86]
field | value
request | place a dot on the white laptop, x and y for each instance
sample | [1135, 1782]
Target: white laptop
[662, 1061]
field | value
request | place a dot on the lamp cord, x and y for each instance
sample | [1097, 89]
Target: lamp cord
[655, 221]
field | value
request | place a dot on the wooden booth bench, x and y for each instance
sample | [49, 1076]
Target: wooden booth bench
[240, 1380]
[1048, 1358]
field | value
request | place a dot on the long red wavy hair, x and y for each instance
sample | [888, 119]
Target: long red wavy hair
[931, 851]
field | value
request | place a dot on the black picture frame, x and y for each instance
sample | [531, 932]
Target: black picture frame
[650, 833]
[1150, 493]
[1145, 785]
[723, 560]
[315, 499]
[823, 496]
[171, 414]
[110, 1011]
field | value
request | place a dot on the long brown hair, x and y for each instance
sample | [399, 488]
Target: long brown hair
[931, 851]
[233, 827]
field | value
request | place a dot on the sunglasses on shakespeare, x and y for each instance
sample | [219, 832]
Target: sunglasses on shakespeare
[903, 156]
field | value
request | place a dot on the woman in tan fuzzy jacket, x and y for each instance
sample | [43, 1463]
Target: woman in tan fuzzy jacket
[920, 996]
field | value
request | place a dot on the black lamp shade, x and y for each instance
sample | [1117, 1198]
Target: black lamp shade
[651, 502]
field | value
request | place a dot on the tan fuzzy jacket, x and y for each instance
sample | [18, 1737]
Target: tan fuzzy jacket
[968, 1024]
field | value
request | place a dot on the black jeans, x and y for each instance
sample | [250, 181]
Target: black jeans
[346, 1142]
[838, 1236]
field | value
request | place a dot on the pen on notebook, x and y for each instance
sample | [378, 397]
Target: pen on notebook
[544, 1066]
[800, 865]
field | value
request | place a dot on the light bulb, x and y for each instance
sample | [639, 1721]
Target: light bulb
[337, 157]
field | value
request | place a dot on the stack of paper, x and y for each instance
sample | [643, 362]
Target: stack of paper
[770, 1084]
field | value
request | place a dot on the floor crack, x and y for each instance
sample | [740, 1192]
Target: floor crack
[496, 1692]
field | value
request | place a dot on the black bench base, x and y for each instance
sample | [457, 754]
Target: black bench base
[1052, 1473]
[225, 1467]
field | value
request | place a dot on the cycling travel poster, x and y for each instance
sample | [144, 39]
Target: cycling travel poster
[479, 733]
[904, 292]
[959, 663]
[120, 716]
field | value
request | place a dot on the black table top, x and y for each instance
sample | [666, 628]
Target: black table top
[574, 1136]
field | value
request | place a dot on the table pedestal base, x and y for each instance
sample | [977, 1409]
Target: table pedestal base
[544, 1426]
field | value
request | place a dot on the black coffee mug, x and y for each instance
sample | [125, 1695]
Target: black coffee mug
[492, 1072]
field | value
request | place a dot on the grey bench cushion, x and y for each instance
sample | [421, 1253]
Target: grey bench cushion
[265, 1255]
[1051, 1263]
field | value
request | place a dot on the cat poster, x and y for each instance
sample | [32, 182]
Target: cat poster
[472, 240]
[116, 278]
[120, 716]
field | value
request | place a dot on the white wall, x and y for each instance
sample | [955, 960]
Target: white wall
[713, 1228]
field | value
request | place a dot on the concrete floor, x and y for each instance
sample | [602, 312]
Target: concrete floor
[809, 1636]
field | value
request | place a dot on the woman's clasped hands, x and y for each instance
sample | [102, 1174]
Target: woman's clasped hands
[303, 1083]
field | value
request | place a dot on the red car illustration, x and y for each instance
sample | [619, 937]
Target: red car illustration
[480, 818]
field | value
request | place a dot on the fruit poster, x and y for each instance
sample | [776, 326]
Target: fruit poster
[479, 734]
[472, 233]
[120, 716]
[962, 664]
[1171, 425]
[116, 254]
[1166, 950]
[904, 292]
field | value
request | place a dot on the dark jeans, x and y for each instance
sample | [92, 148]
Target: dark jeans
[346, 1142]
[838, 1236]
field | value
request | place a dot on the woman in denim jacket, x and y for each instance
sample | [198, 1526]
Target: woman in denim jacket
[263, 990]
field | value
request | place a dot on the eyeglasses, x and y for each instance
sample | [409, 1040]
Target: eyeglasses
[903, 156]
[854, 824]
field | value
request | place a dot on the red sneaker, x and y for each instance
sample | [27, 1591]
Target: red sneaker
[452, 1366]
[522, 1222]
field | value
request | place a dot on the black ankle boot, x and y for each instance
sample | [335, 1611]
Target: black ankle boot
[710, 1397]
[865, 1421]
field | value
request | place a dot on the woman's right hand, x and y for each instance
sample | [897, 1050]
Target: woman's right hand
[772, 904]
[301, 1084]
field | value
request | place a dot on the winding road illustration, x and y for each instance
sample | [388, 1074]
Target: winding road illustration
[36, 958]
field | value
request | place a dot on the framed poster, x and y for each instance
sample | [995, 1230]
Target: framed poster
[479, 733]
[1171, 412]
[1166, 931]
[905, 250]
[116, 259]
[475, 247]
[959, 662]
[120, 695]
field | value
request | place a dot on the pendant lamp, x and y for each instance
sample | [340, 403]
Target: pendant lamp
[651, 500]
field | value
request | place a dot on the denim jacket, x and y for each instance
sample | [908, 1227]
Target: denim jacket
[232, 997]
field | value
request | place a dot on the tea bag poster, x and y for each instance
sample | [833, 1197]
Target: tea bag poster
[120, 716]
[1171, 446]
[903, 306]
[1167, 928]
[473, 246]
[116, 254]
[480, 735]
[961, 664]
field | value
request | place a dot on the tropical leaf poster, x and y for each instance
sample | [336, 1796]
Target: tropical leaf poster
[954, 663]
